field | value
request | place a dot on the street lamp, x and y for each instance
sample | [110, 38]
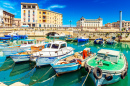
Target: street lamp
[70, 22]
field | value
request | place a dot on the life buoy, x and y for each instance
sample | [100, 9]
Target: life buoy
[123, 74]
[87, 68]
[108, 77]
[96, 69]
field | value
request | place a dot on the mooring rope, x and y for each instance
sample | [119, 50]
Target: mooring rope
[5, 61]
[21, 77]
[7, 67]
[85, 79]
[41, 77]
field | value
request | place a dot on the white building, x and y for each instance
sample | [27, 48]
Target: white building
[90, 22]
[29, 14]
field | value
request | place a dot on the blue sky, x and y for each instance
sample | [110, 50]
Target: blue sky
[75, 9]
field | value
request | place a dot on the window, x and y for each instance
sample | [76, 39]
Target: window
[24, 6]
[44, 17]
[39, 12]
[33, 25]
[44, 13]
[28, 20]
[33, 12]
[33, 20]
[33, 6]
[24, 11]
[44, 21]
[39, 25]
[29, 6]
[55, 46]
[63, 46]
[30, 42]
[39, 16]
[49, 45]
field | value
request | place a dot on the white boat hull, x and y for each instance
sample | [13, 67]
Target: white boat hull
[41, 61]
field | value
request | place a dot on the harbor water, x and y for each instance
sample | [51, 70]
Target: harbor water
[27, 73]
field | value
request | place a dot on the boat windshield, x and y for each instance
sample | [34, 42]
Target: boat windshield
[55, 46]
[49, 45]
[30, 42]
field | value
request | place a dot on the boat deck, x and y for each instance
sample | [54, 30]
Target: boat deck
[106, 64]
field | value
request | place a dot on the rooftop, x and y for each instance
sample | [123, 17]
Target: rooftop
[23, 3]
[49, 11]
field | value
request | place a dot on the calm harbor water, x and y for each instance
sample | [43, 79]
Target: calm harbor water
[27, 74]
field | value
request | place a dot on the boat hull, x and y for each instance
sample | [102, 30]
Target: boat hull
[41, 61]
[103, 81]
[20, 58]
[66, 68]
[8, 51]
[82, 40]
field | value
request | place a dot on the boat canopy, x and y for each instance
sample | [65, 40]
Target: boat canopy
[109, 55]
[57, 45]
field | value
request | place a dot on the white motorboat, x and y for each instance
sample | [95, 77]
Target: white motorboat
[54, 50]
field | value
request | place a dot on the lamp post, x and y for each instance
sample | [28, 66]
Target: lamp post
[70, 22]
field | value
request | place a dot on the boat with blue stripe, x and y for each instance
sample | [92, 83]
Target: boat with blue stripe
[71, 63]
[25, 56]
[54, 50]
[99, 41]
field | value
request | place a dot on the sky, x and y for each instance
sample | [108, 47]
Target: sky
[74, 9]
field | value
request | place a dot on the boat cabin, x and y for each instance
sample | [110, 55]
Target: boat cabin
[28, 42]
[40, 41]
[108, 55]
[57, 45]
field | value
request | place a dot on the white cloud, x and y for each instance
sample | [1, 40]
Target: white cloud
[55, 6]
[8, 6]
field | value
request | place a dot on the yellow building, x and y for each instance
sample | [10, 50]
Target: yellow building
[34, 17]
[47, 18]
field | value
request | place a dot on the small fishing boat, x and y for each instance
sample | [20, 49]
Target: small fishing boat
[57, 36]
[69, 39]
[110, 41]
[25, 56]
[80, 39]
[15, 36]
[99, 41]
[6, 38]
[107, 67]
[54, 50]
[71, 63]
[25, 45]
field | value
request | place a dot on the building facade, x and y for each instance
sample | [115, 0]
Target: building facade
[17, 22]
[34, 17]
[90, 22]
[108, 25]
[47, 18]
[29, 14]
[125, 24]
[6, 19]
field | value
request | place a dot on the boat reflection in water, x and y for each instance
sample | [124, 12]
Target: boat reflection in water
[43, 76]
[21, 68]
[7, 64]
[73, 79]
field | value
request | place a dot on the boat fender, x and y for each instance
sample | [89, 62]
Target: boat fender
[123, 74]
[87, 68]
[108, 77]
[99, 71]
[79, 61]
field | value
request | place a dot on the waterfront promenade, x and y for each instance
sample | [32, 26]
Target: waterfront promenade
[91, 33]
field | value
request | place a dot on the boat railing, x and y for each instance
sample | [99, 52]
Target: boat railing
[68, 50]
